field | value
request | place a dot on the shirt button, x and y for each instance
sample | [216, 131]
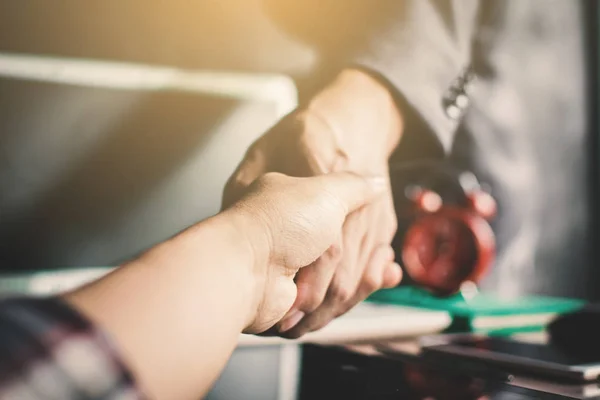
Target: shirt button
[462, 100]
[453, 111]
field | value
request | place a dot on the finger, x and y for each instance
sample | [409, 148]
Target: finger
[370, 268]
[380, 229]
[312, 283]
[341, 287]
[372, 278]
[386, 228]
[310, 323]
[368, 242]
[353, 190]
[337, 295]
[392, 276]
[377, 243]
[252, 166]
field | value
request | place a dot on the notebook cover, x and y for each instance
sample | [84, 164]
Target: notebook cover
[482, 304]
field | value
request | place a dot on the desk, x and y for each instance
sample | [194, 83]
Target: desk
[268, 368]
[363, 372]
[366, 322]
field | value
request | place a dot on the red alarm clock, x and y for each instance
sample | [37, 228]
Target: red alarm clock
[447, 239]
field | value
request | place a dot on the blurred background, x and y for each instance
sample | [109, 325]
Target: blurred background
[92, 175]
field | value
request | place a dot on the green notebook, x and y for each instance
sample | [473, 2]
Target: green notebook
[484, 313]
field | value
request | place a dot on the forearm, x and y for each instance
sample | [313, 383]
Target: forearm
[177, 311]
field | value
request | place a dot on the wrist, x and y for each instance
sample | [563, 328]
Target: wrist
[253, 245]
[361, 114]
[218, 243]
[327, 149]
[193, 292]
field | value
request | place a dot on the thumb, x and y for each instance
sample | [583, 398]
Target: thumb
[353, 190]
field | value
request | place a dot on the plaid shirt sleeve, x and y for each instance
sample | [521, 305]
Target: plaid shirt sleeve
[49, 351]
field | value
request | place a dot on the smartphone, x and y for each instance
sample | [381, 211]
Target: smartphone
[515, 356]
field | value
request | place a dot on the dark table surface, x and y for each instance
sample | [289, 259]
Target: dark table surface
[368, 371]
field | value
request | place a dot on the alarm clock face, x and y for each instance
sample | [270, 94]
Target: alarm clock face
[441, 251]
[445, 238]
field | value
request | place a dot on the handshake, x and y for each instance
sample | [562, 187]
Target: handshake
[325, 227]
[304, 235]
[329, 230]
[291, 224]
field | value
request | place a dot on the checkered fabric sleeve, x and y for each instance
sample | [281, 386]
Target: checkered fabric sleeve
[49, 351]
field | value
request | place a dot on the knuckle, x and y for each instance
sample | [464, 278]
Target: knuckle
[310, 296]
[339, 293]
[371, 282]
[334, 253]
[311, 302]
[268, 180]
[390, 229]
[274, 177]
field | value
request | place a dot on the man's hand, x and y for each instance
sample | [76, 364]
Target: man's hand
[352, 125]
[289, 223]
